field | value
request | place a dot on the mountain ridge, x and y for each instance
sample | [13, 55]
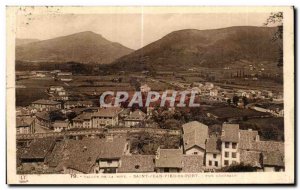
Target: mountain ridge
[84, 47]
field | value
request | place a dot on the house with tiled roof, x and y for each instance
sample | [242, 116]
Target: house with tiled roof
[168, 160]
[38, 150]
[137, 164]
[89, 155]
[134, 118]
[83, 120]
[174, 161]
[107, 116]
[230, 143]
[263, 155]
[195, 135]
[46, 105]
[43, 119]
[59, 126]
[273, 161]
[213, 157]
[25, 125]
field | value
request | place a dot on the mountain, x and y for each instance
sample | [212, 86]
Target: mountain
[84, 47]
[205, 48]
[20, 41]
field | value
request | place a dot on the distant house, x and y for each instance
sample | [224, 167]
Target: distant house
[43, 119]
[25, 125]
[64, 74]
[213, 92]
[46, 105]
[59, 126]
[230, 143]
[55, 89]
[75, 104]
[134, 118]
[145, 88]
[195, 135]
[137, 164]
[83, 120]
[106, 117]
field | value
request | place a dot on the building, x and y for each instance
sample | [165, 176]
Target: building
[174, 161]
[25, 125]
[106, 117]
[145, 88]
[90, 155]
[273, 161]
[134, 118]
[112, 148]
[168, 160]
[43, 119]
[100, 119]
[213, 157]
[76, 104]
[55, 89]
[37, 151]
[46, 105]
[64, 74]
[230, 144]
[137, 164]
[83, 120]
[195, 135]
[60, 126]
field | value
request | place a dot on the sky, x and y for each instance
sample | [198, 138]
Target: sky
[131, 30]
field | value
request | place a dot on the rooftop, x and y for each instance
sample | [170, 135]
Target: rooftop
[137, 163]
[230, 133]
[24, 121]
[194, 134]
[39, 148]
[46, 102]
[169, 158]
[213, 145]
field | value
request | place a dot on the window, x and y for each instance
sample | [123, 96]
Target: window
[210, 162]
[195, 152]
[215, 155]
[226, 154]
[234, 155]
[226, 162]
[234, 145]
[216, 163]
[226, 144]
[137, 167]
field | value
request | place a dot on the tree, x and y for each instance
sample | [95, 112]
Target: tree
[229, 101]
[235, 100]
[239, 168]
[245, 100]
[276, 19]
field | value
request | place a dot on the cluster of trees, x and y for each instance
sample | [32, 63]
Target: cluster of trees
[147, 144]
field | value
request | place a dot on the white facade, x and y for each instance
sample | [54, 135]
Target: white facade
[213, 160]
[230, 153]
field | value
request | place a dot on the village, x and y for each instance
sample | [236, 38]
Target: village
[66, 130]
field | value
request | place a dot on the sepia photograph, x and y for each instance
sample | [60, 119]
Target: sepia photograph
[150, 95]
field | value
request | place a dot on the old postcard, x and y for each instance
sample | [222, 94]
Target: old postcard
[150, 95]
